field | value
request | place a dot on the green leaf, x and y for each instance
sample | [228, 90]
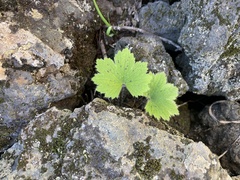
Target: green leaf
[161, 97]
[123, 71]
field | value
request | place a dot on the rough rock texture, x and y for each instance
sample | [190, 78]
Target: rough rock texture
[124, 12]
[101, 141]
[35, 75]
[66, 26]
[149, 48]
[209, 33]
[162, 19]
[32, 77]
[211, 42]
[221, 136]
[47, 51]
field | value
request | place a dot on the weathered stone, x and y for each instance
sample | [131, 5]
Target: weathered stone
[101, 141]
[209, 33]
[34, 76]
[123, 12]
[162, 19]
[47, 51]
[66, 26]
[149, 48]
[222, 123]
[210, 38]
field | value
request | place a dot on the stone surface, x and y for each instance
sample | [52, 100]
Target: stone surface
[101, 141]
[209, 33]
[34, 75]
[149, 48]
[66, 26]
[124, 12]
[210, 38]
[47, 51]
[221, 136]
[162, 19]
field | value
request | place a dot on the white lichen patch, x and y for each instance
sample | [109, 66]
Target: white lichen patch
[2, 73]
[48, 139]
[83, 7]
[35, 14]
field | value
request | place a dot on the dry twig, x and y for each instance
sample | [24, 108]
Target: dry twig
[229, 147]
[223, 122]
[217, 120]
[120, 28]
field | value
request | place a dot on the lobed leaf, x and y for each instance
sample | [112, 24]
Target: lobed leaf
[123, 71]
[161, 97]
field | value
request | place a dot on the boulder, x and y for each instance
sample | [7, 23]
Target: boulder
[210, 39]
[102, 141]
[209, 33]
[34, 76]
[162, 19]
[221, 132]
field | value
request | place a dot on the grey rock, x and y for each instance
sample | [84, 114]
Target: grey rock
[210, 38]
[149, 48]
[101, 141]
[235, 177]
[222, 121]
[66, 26]
[125, 12]
[47, 51]
[209, 34]
[34, 76]
[162, 19]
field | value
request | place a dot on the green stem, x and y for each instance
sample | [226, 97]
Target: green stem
[100, 14]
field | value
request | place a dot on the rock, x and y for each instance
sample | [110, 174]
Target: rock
[209, 33]
[210, 38]
[66, 26]
[101, 141]
[35, 76]
[47, 51]
[162, 19]
[236, 177]
[123, 12]
[149, 48]
[223, 136]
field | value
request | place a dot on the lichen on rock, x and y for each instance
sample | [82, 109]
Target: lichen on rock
[99, 141]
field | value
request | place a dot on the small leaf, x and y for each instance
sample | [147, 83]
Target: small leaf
[123, 71]
[161, 97]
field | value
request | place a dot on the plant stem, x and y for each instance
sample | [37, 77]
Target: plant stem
[101, 15]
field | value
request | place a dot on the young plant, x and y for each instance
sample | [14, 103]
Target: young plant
[125, 72]
[109, 31]
[161, 96]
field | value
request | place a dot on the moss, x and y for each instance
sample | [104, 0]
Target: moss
[57, 146]
[2, 100]
[175, 176]
[145, 165]
[222, 20]
[231, 48]
[5, 136]
[6, 5]
[185, 141]
[43, 170]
